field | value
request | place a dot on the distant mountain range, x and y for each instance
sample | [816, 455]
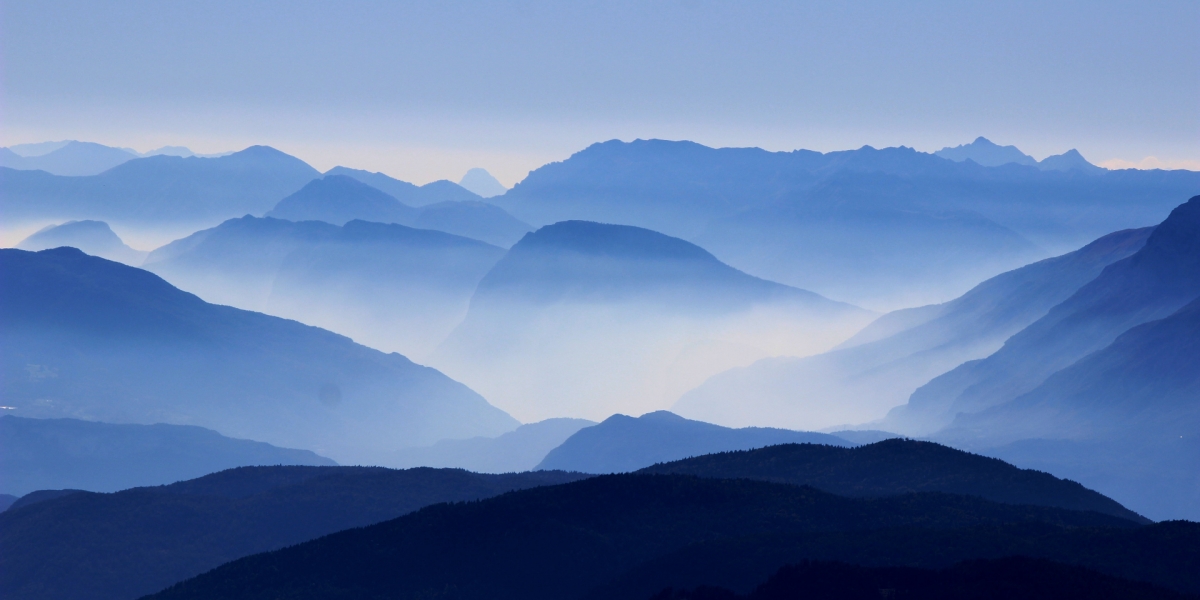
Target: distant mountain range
[339, 199]
[93, 237]
[569, 540]
[38, 454]
[88, 338]
[622, 444]
[588, 319]
[808, 219]
[518, 450]
[125, 545]
[158, 190]
[882, 365]
[389, 286]
[71, 159]
[982, 151]
[407, 193]
[479, 181]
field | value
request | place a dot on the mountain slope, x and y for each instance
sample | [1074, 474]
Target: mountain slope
[93, 237]
[479, 181]
[339, 198]
[412, 195]
[518, 450]
[622, 444]
[897, 466]
[89, 338]
[587, 319]
[40, 454]
[1151, 284]
[123, 545]
[388, 286]
[561, 541]
[71, 159]
[881, 366]
[984, 152]
[159, 190]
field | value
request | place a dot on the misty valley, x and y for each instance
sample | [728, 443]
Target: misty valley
[651, 370]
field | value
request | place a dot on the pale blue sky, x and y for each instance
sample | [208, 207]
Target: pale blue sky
[426, 90]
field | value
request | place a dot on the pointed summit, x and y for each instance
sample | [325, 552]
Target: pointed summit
[481, 182]
[986, 153]
[1071, 160]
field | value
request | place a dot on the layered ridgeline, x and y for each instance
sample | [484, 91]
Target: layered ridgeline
[518, 450]
[339, 198]
[586, 319]
[408, 193]
[1097, 397]
[621, 443]
[809, 219]
[881, 366]
[984, 152]
[93, 237]
[71, 158]
[37, 454]
[388, 286]
[568, 540]
[122, 546]
[158, 190]
[89, 338]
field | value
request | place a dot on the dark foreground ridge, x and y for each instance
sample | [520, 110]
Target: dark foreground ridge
[899, 466]
[564, 541]
[124, 545]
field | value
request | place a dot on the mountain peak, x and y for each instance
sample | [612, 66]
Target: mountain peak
[987, 153]
[1071, 160]
[480, 182]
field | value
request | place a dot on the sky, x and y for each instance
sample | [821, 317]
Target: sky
[426, 90]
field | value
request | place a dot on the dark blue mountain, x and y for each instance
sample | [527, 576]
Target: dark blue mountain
[6, 500]
[159, 189]
[389, 286]
[881, 366]
[910, 227]
[339, 199]
[89, 338]
[586, 319]
[621, 444]
[94, 237]
[138, 541]
[71, 159]
[1151, 284]
[40, 454]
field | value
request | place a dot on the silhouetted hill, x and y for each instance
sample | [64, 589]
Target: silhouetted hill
[881, 366]
[518, 450]
[621, 444]
[898, 466]
[41, 496]
[588, 319]
[388, 286]
[986, 153]
[86, 337]
[6, 500]
[159, 189]
[40, 454]
[808, 219]
[93, 237]
[412, 195]
[72, 158]
[339, 198]
[1151, 284]
[123, 545]
[479, 181]
[1071, 160]
[562, 541]
[998, 579]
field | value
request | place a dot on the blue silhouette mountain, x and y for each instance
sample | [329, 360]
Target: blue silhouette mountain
[568, 540]
[882, 365]
[1071, 160]
[808, 219]
[587, 319]
[71, 159]
[159, 189]
[518, 450]
[93, 237]
[622, 444]
[89, 338]
[138, 541]
[40, 454]
[480, 182]
[386, 285]
[984, 152]
[408, 193]
[339, 199]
